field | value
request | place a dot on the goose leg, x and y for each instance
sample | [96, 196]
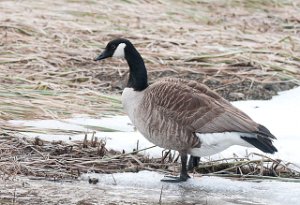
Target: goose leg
[183, 174]
[193, 162]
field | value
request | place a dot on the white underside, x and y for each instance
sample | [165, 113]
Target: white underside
[131, 100]
[213, 143]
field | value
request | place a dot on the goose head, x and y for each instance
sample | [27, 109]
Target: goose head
[123, 48]
[115, 48]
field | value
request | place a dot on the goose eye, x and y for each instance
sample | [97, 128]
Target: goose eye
[113, 46]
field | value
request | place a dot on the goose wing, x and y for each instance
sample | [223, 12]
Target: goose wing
[197, 108]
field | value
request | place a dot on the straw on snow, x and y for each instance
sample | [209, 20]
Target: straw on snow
[60, 160]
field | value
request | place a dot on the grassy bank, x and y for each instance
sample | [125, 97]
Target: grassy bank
[242, 49]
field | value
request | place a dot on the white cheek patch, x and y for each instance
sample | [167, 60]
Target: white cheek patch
[119, 52]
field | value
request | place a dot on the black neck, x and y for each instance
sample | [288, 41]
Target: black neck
[138, 79]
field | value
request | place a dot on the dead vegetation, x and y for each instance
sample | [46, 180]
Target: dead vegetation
[242, 49]
[57, 160]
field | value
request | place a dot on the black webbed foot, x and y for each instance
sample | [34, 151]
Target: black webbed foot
[183, 174]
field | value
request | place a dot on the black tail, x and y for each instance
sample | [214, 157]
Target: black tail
[263, 140]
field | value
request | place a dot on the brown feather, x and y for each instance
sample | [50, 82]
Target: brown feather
[174, 110]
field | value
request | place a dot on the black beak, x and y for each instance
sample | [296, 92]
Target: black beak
[102, 56]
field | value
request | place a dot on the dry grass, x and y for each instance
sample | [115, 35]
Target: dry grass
[58, 160]
[249, 47]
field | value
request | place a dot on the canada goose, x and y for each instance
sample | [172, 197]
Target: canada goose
[183, 115]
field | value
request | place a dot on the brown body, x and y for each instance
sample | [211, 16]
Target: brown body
[171, 111]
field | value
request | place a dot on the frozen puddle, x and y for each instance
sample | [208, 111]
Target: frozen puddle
[145, 188]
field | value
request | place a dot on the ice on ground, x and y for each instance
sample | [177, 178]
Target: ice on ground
[145, 187]
[119, 123]
[202, 190]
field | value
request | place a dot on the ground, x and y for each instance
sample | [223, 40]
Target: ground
[241, 49]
